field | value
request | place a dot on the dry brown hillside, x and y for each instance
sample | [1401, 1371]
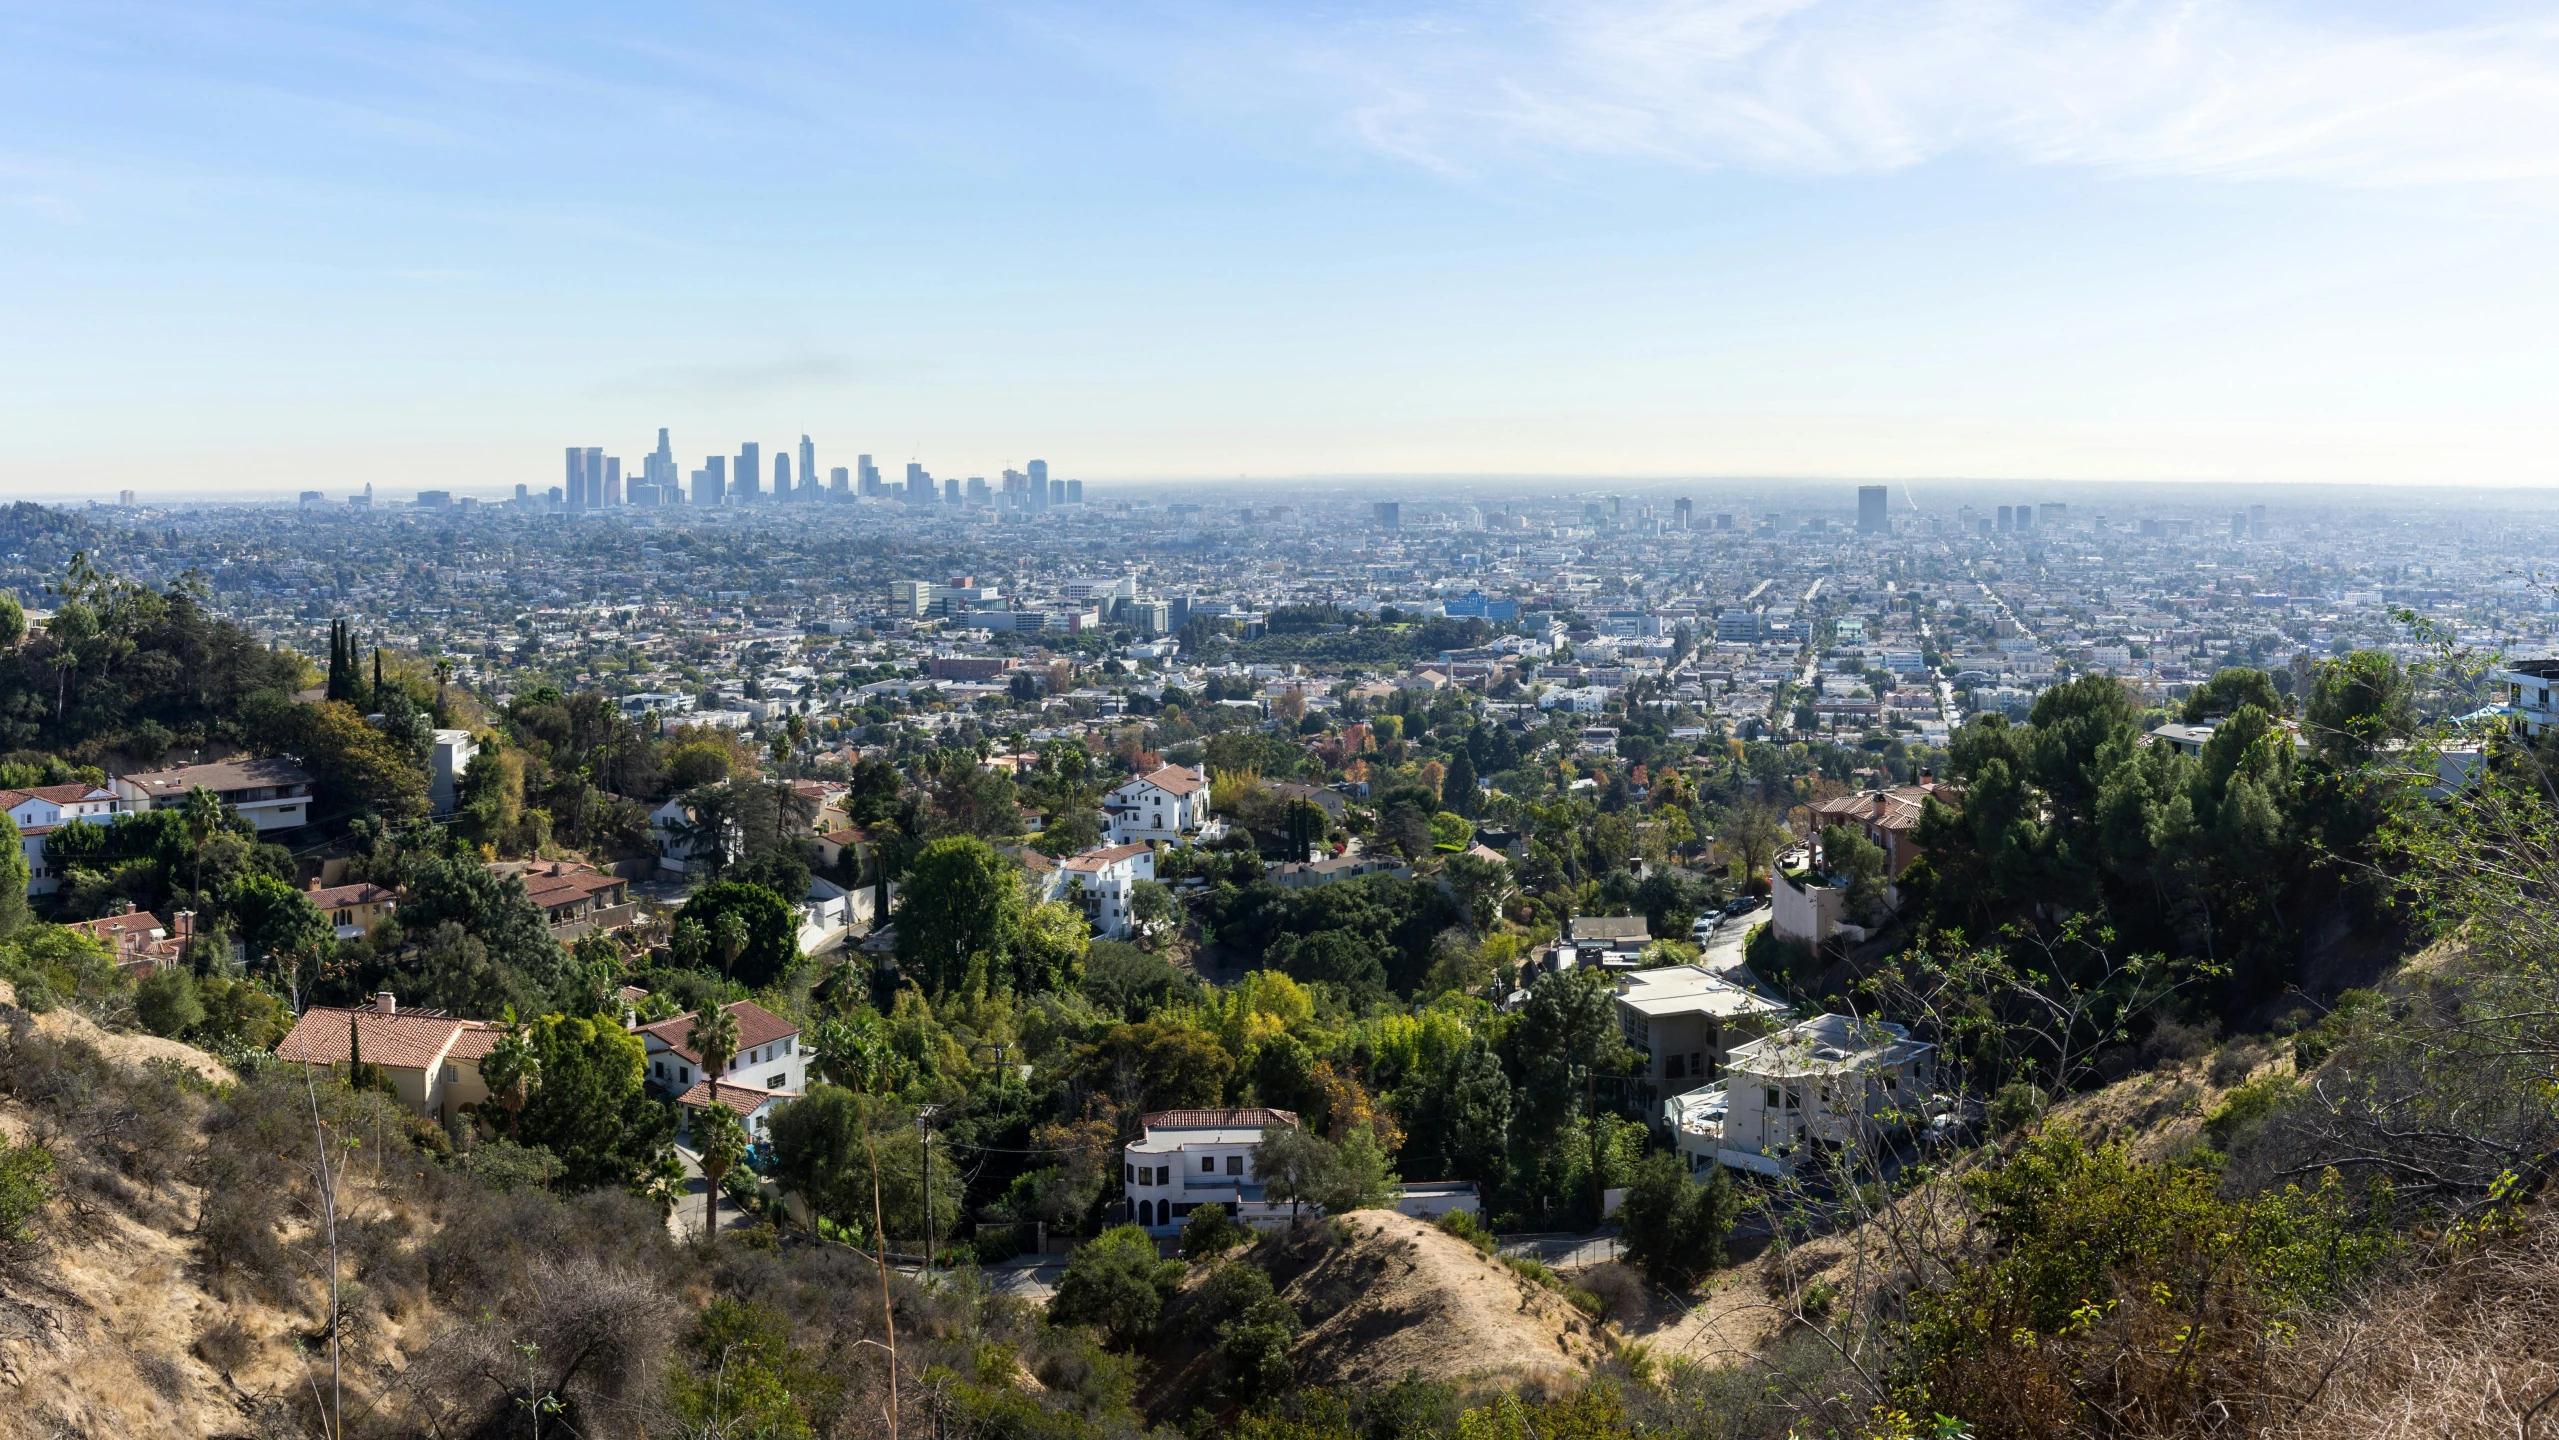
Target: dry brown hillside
[1397, 1297]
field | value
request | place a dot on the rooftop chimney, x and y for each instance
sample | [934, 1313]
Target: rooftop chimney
[386, 1002]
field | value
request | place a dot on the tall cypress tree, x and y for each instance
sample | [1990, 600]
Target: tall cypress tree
[337, 660]
[1457, 787]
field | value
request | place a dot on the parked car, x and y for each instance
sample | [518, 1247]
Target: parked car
[1745, 904]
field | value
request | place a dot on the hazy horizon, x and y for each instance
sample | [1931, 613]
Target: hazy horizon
[2253, 242]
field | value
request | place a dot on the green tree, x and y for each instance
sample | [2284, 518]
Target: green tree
[1673, 1227]
[1457, 788]
[819, 1153]
[1859, 864]
[13, 878]
[512, 1072]
[1569, 1033]
[752, 932]
[1116, 1284]
[958, 913]
[592, 1109]
[1209, 1233]
[26, 1185]
[746, 1379]
[1291, 1162]
[1357, 1175]
[166, 1001]
[2357, 705]
[1049, 954]
[2229, 689]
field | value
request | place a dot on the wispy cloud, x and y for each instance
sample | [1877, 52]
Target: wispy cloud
[2235, 88]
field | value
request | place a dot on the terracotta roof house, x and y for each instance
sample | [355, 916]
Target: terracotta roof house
[1169, 803]
[578, 899]
[41, 811]
[353, 909]
[433, 1058]
[770, 1056]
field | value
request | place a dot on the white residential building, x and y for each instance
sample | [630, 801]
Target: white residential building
[1685, 1019]
[1103, 882]
[1832, 1082]
[40, 812]
[770, 1056]
[1168, 804]
[271, 793]
[1189, 1158]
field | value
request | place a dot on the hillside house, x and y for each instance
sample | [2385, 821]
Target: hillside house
[432, 1058]
[1685, 1019]
[1103, 882]
[577, 900]
[271, 793]
[353, 910]
[1189, 1158]
[770, 1056]
[1889, 819]
[41, 811]
[1169, 803]
[1829, 1083]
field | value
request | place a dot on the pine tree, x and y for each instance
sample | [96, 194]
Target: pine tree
[1457, 787]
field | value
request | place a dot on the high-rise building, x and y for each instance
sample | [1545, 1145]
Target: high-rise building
[746, 481]
[711, 482]
[1389, 513]
[125, 497]
[919, 485]
[2238, 524]
[808, 465]
[951, 490]
[1057, 492]
[575, 480]
[2025, 517]
[1074, 492]
[866, 476]
[840, 480]
[523, 494]
[1873, 505]
[782, 475]
[1039, 475]
[1680, 513]
[2257, 521]
[978, 493]
[594, 477]
[2007, 518]
[1723, 522]
[612, 481]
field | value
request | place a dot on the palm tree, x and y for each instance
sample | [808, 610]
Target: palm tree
[511, 1070]
[728, 935]
[203, 812]
[722, 1143]
[713, 1037]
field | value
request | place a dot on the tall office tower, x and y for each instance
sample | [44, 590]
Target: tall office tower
[866, 475]
[917, 484]
[2025, 517]
[1724, 522]
[523, 493]
[1389, 513]
[665, 455]
[1680, 513]
[746, 479]
[840, 480]
[1039, 475]
[594, 477]
[2257, 521]
[782, 475]
[1872, 502]
[808, 464]
[711, 482]
[2007, 518]
[1074, 492]
[612, 481]
[2238, 524]
[1057, 492]
[951, 490]
[575, 480]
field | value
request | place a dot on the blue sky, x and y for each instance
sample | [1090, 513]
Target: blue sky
[264, 246]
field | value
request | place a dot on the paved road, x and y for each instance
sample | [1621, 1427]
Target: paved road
[1565, 1252]
[1031, 1282]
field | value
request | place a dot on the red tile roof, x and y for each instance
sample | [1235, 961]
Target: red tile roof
[755, 1026]
[1261, 1115]
[54, 795]
[411, 1040]
[1175, 780]
[363, 892]
[1108, 854]
[744, 1099]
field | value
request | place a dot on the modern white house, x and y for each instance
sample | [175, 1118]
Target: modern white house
[1685, 1019]
[770, 1056]
[1829, 1083]
[450, 756]
[1189, 1158]
[2530, 709]
[271, 793]
[41, 811]
[1169, 804]
[680, 849]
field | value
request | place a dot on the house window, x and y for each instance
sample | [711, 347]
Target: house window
[774, 1082]
[1697, 1063]
[660, 1070]
[1131, 1177]
[1771, 1102]
[1675, 1068]
[452, 1073]
[1208, 1164]
[683, 1075]
[1234, 1164]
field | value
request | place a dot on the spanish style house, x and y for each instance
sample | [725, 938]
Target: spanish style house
[1168, 804]
[432, 1058]
[770, 1057]
[41, 811]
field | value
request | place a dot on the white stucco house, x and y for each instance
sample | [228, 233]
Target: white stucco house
[1168, 804]
[1829, 1083]
[41, 811]
[1103, 881]
[271, 792]
[1189, 1158]
[770, 1056]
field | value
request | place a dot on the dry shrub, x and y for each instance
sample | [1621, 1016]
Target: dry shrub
[1620, 1291]
[227, 1346]
[2461, 1351]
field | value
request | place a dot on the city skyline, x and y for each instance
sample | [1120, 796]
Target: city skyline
[2244, 241]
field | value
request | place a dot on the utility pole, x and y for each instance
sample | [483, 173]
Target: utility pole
[924, 1132]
